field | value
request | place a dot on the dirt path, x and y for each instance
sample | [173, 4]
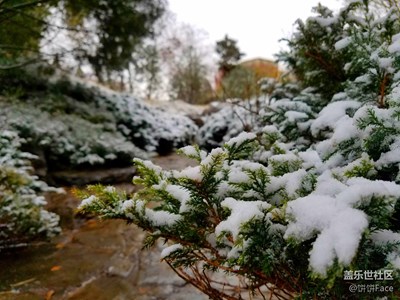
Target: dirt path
[92, 259]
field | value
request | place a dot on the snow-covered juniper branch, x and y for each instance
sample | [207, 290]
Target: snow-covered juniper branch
[311, 193]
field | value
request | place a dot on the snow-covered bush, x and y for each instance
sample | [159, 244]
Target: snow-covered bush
[292, 115]
[295, 208]
[148, 127]
[271, 219]
[22, 214]
[73, 123]
[66, 139]
[234, 117]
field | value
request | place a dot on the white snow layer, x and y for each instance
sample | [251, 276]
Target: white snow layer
[343, 43]
[324, 22]
[157, 218]
[332, 216]
[294, 116]
[193, 173]
[383, 237]
[191, 151]
[339, 227]
[181, 194]
[241, 138]
[241, 212]
[395, 46]
[390, 157]
[332, 114]
[169, 250]
[88, 201]
[162, 218]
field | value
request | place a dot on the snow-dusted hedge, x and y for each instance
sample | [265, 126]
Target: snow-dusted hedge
[22, 214]
[294, 208]
[66, 139]
[148, 127]
[77, 124]
[259, 209]
[228, 121]
[287, 107]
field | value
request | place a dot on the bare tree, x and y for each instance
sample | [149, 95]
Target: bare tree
[188, 63]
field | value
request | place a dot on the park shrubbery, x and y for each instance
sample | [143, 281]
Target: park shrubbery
[60, 124]
[23, 217]
[75, 124]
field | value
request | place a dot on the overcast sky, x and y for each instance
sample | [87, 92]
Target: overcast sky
[257, 25]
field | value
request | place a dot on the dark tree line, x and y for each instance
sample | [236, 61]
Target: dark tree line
[102, 34]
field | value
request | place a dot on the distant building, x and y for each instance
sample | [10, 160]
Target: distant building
[262, 67]
[258, 67]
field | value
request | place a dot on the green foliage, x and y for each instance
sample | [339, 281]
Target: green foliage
[364, 167]
[239, 83]
[313, 192]
[97, 29]
[229, 53]
[61, 136]
[198, 212]
[23, 218]
[21, 27]
[316, 65]
[381, 134]
[75, 124]
[101, 199]
[239, 150]
[293, 114]
[112, 18]
[285, 165]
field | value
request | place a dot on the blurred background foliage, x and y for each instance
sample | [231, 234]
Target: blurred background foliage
[101, 34]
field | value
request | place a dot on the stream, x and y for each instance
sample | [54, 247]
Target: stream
[92, 259]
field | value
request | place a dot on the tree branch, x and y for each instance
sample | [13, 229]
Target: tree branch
[382, 90]
[19, 65]
[22, 5]
[43, 22]
[325, 65]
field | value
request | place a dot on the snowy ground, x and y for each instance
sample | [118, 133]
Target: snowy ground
[178, 107]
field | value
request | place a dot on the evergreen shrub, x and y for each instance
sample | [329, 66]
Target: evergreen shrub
[23, 218]
[74, 124]
[310, 196]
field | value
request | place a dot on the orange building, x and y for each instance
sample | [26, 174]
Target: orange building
[259, 67]
[262, 67]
